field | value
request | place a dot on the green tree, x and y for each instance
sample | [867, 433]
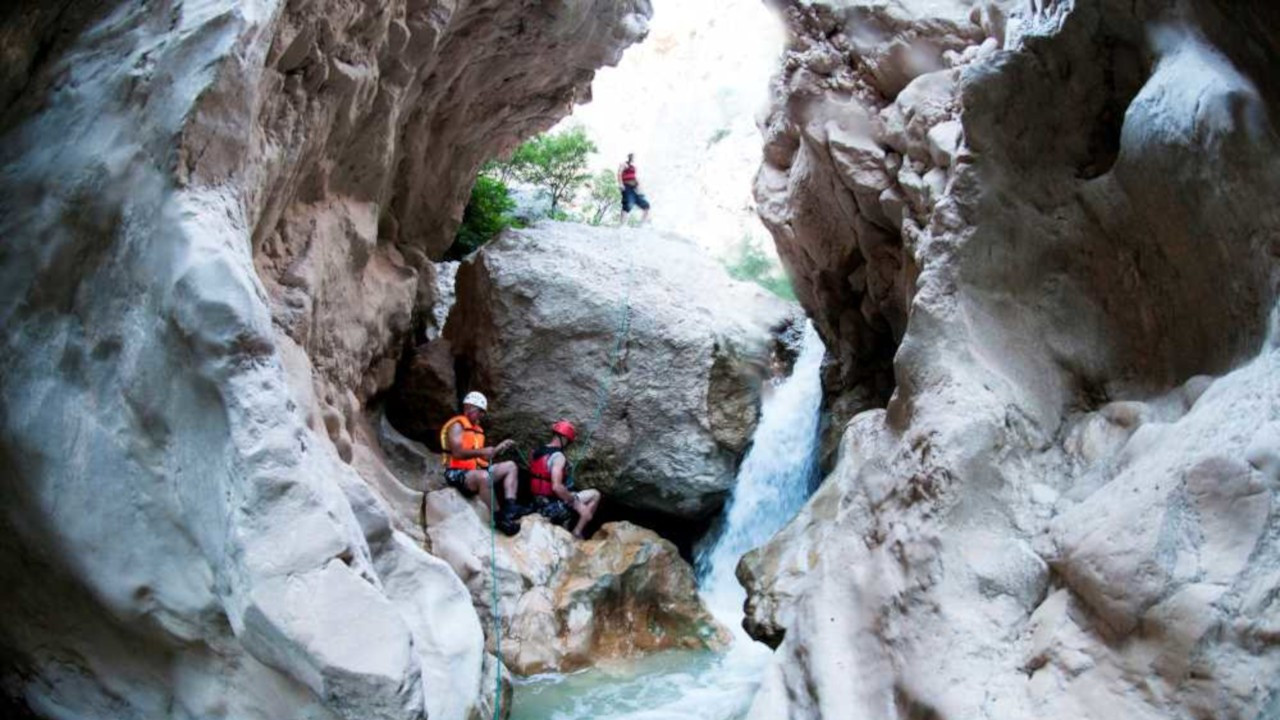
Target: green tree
[603, 197]
[555, 162]
[487, 214]
[748, 262]
[500, 170]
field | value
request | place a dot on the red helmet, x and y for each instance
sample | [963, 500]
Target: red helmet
[565, 429]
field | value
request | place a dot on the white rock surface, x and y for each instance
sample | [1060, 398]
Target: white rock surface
[565, 604]
[215, 218]
[1057, 514]
[636, 326]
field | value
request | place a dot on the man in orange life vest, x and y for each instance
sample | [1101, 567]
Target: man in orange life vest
[630, 188]
[551, 484]
[469, 464]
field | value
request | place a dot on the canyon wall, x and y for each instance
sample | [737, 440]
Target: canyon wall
[218, 220]
[1040, 239]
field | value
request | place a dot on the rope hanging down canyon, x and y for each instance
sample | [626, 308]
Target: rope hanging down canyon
[602, 400]
[493, 584]
[623, 330]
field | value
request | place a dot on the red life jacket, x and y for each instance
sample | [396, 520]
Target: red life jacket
[629, 175]
[540, 483]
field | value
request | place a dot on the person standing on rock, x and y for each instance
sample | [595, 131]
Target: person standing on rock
[551, 484]
[469, 464]
[630, 188]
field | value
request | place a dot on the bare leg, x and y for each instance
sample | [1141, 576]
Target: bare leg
[590, 500]
[506, 474]
[644, 217]
[478, 483]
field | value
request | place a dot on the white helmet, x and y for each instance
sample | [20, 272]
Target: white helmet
[477, 399]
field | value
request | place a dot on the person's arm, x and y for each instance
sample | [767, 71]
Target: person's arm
[456, 449]
[619, 175]
[557, 481]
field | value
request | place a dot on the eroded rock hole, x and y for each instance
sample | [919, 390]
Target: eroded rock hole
[1123, 72]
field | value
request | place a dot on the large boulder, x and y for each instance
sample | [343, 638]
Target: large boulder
[217, 219]
[637, 337]
[1066, 242]
[565, 604]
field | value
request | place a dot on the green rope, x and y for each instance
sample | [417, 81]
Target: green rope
[606, 381]
[602, 401]
[524, 459]
[493, 583]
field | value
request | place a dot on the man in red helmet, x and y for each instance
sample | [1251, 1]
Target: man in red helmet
[551, 483]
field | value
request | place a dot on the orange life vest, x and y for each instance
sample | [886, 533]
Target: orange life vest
[472, 439]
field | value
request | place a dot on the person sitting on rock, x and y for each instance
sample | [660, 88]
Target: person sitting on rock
[630, 188]
[469, 464]
[551, 483]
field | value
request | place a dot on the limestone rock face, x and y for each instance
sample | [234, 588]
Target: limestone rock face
[1056, 218]
[217, 221]
[565, 604]
[636, 326]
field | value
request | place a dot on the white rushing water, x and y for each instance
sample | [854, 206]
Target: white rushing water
[774, 480]
[773, 483]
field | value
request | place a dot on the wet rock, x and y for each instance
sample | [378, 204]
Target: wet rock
[1065, 508]
[565, 604]
[218, 218]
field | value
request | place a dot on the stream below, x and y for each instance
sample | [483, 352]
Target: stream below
[774, 481]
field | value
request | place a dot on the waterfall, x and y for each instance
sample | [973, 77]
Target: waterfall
[774, 480]
[773, 483]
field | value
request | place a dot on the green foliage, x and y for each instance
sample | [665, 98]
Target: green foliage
[717, 136]
[487, 214]
[556, 163]
[748, 262]
[500, 170]
[603, 197]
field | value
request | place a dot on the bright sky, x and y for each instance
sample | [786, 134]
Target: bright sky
[685, 102]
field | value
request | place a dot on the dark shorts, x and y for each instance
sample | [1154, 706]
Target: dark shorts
[557, 511]
[631, 197]
[457, 479]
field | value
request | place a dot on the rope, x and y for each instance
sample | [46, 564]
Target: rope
[493, 583]
[602, 401]
[493, 575]
[422, 520]
[606, 381]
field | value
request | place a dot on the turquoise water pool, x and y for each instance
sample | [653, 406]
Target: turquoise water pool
[665, 686]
